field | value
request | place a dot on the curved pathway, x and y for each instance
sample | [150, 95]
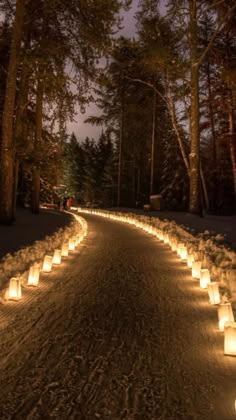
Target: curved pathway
[119, 331]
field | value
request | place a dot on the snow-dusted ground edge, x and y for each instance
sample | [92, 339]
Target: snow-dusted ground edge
[18, 264]
[205, 247]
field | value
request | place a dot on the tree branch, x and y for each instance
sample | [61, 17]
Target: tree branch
[148, 84]
[218, 29]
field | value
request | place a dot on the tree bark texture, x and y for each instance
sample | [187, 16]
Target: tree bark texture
[120, 155]
[214, 149]
[20, 127]
[7, 144]
[171, 108]
[232, 144]
[37, 149]
[153, 141]
[194, 157]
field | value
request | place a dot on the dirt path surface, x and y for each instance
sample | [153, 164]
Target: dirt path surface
[119, 331]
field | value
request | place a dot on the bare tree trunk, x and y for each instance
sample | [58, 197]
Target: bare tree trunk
[204, 188]
[120, 158]
[7, 144]
[15, 185]
[194, 156]
[153, 141]
[20, 127]
[133, 182]
[214, 141]
[138, 198]
[175, 125]
[232, 144]
[171, 108]
[38, 141]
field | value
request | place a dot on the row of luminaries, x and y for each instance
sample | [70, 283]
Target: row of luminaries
[225, 312]
[14, 291]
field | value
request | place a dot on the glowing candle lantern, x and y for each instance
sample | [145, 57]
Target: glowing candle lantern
[33, 278]
[183, 252]
[57, 257]
[14, 291]
[47, 264]
[71, 244]
[174, 245]
[65, 250]
[204, 278]
[166, 238]
[161, 235]
[179, 246]
[150, 229]
[196, 268]
[230, 339]
[213, 292]
[190, 260]
[78, 240]
[225, 314]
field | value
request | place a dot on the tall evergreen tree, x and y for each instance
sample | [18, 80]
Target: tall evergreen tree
[7, 152]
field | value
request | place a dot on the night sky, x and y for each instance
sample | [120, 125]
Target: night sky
[79, 127]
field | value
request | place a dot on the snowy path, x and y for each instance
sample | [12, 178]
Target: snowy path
[124, 333]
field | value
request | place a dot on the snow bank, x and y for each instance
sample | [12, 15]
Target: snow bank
[19, 263]
[205, 247]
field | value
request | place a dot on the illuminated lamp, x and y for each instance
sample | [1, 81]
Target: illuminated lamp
[65, 250]
[225, 314]
[57, 257]
[230, 339]
[196, 268]
[179, 246]
[190, 260]
[14, 291]
[160, 236]
[150, 229]
[183, 252]
[78, 240]
[33, 278]
[166, 238]
[213, 292]
[47, 264]
[174, 244]
[71, 244]
[204, 278]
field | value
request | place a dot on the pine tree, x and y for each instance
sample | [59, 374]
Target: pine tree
[7, 152]
[60, 33]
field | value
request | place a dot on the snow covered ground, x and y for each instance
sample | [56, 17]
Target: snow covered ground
[223, 225]
[30, 227]
[18, 263]
[120, 331]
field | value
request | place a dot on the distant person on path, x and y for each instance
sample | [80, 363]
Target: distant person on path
[64, 203]
[68, 203]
